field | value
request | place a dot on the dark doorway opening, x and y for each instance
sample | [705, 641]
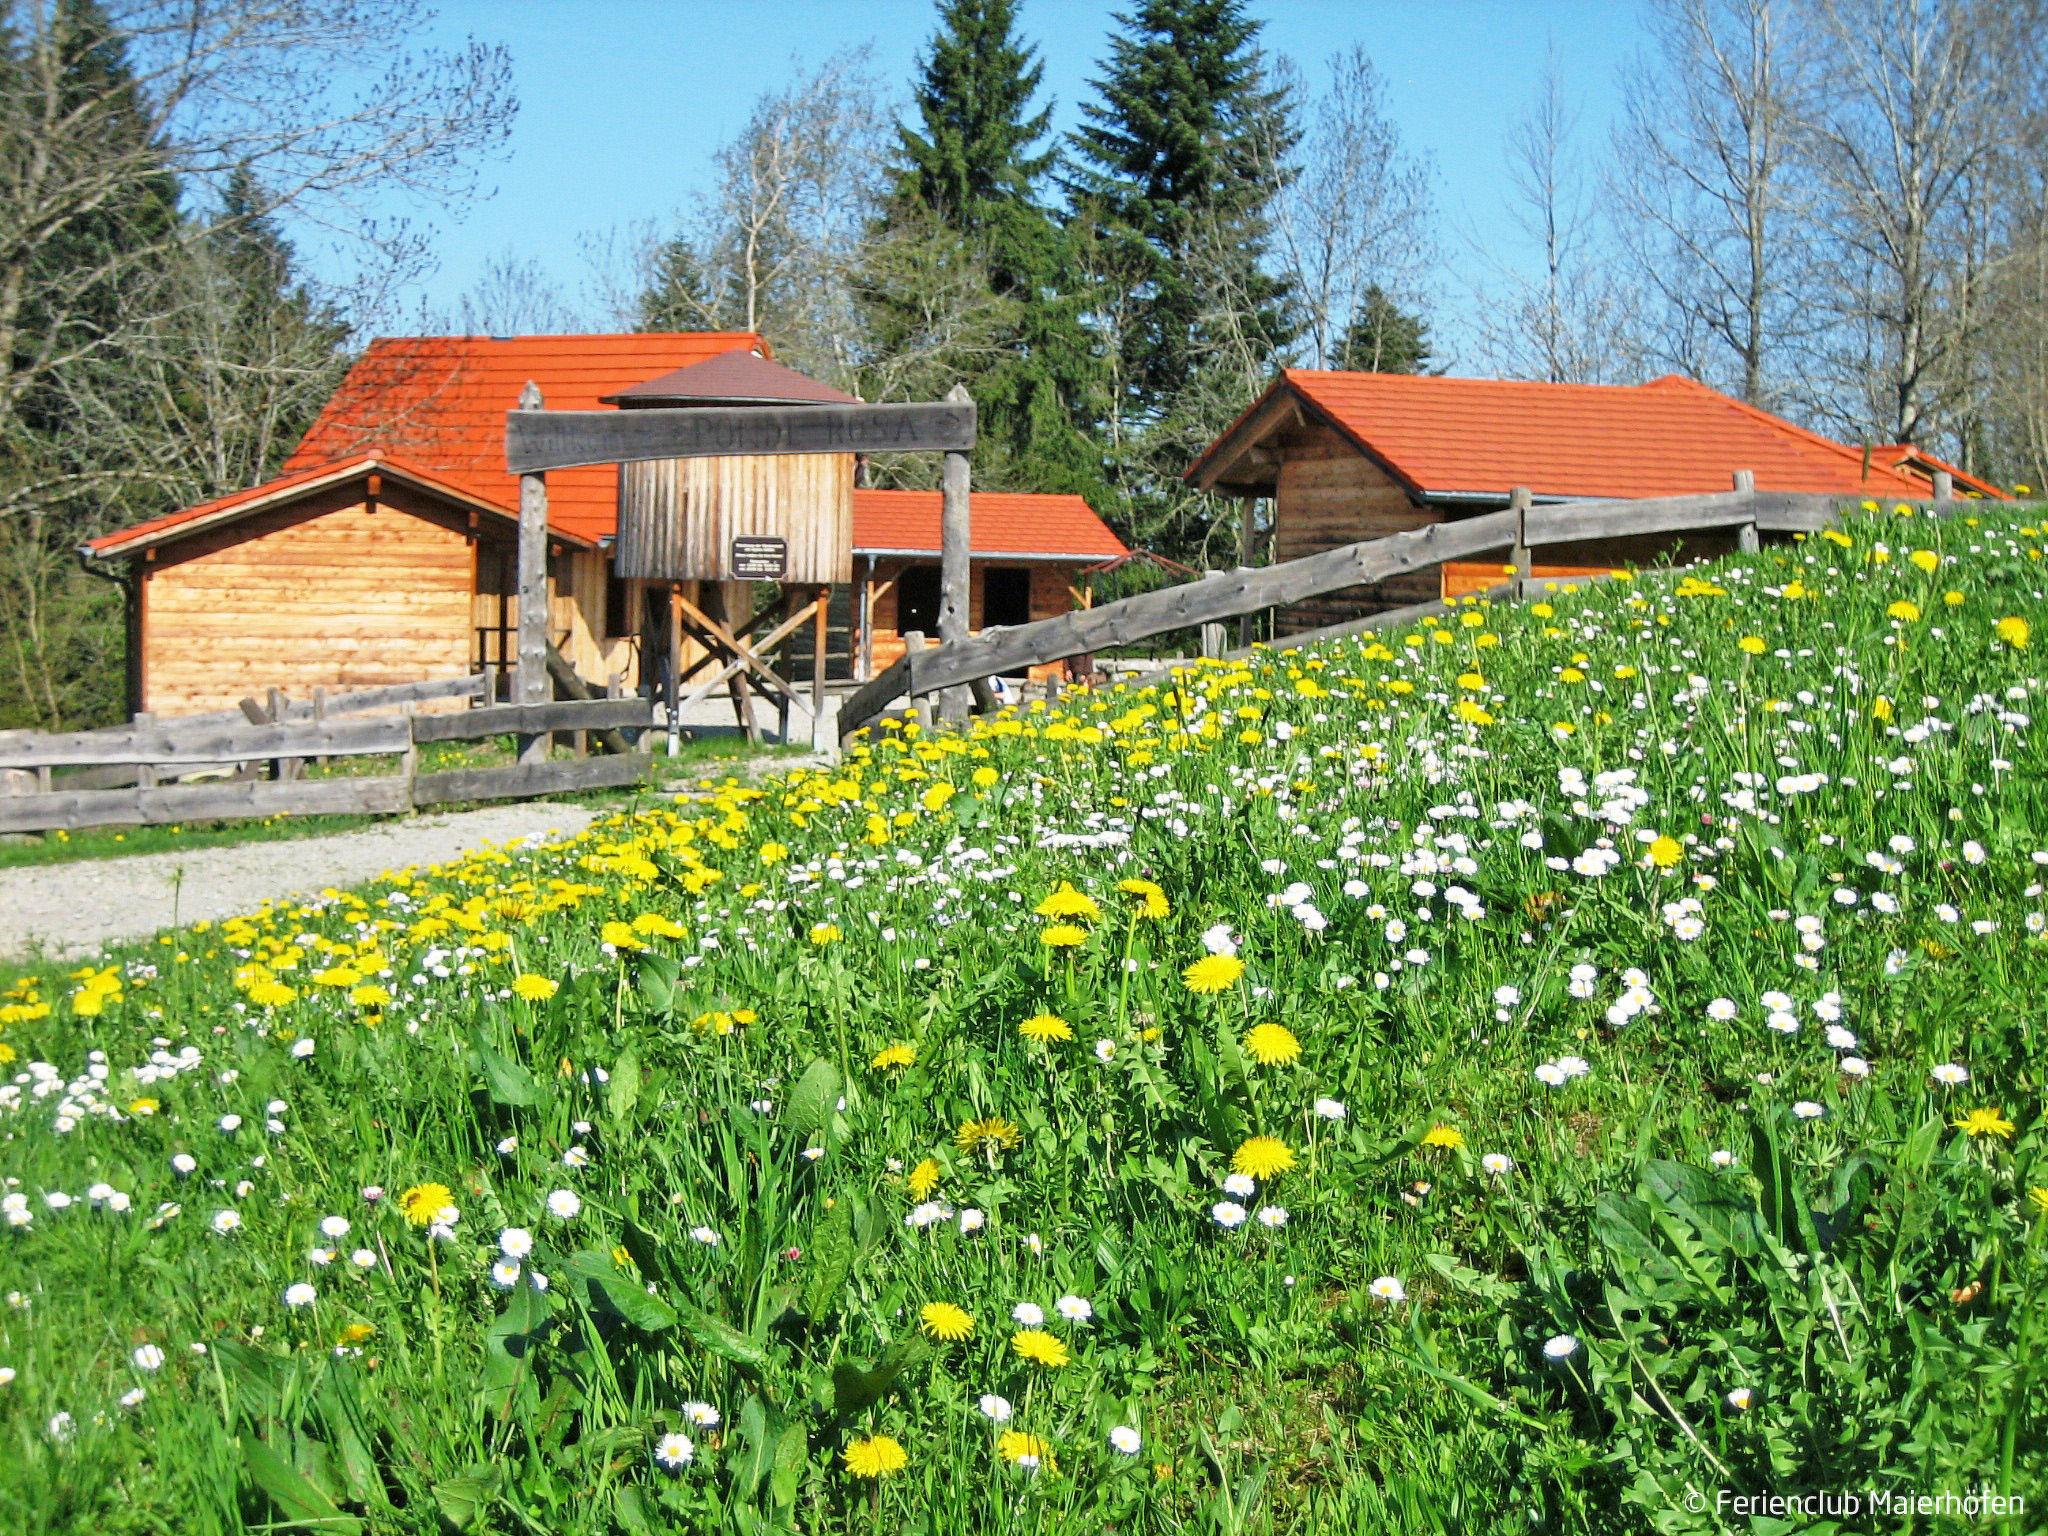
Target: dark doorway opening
[917, 601]
[1005, 597]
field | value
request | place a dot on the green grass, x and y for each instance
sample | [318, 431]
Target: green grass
[1656, 1109]
[698, 754]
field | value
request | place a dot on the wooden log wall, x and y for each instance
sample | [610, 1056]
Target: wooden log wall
[678, 517]
[1330, 495]
[338, 591]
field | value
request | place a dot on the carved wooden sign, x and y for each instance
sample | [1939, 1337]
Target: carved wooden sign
[543, 440]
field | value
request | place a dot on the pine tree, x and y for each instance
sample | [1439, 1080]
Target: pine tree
[972, 160]
[678, 295]
[1382, 337]
[1180, 159]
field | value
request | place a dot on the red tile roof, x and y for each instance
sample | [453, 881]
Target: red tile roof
[440, 402]
[1668, 437]
[736, 376]
[256, 497]
[1011, 523]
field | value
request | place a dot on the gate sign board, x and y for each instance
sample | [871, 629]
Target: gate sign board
[757, 558]
[542, 440]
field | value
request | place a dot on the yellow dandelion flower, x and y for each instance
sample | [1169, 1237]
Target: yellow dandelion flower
[924, 1178]
[144, 1106]
[1990, 1121]
[1751, 645]
[1015, 1446]
[621, 936]
[1905, 612]
[2014, 631]
[875, 1457]
[1046, 1028]
[535, 989]
[1262, 1157]
[355, 1333]
[992, 1134]
[1212, 973]
[1148, 898]
[658, 925]
[1449, 1137]
[899, 1054]
[1040, 1348]
[1271, 1045]
[2039, 1196]
[946, 1322]
[1666, 851]
[1065, 901]
[421, 1203]
[1063, 936]
[1925, 559]
[825, 933]
[370, 996]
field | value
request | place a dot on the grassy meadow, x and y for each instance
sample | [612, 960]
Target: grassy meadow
[1549, 1070]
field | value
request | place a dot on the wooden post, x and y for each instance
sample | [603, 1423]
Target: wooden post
[672, 679]
[913, 642]
[955, 545]
[1519, 502]
[531, 686]
[864, 668]
[1213, 640]
[1746, 540]
[818, 625]
[1944, 485]
[280, 767]
[409, 765]
[145, 773]
[1246, 535]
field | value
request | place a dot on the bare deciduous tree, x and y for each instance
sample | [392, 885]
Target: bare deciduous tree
[1916, 110]
[1573, 320]
[1706, 181]
[1352, 210]
[216, 89]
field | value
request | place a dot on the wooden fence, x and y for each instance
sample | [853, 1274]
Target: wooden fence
[236, 749]
[1221, 595]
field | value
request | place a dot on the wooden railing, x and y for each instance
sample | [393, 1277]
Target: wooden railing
[34, 799]
[1221, 595]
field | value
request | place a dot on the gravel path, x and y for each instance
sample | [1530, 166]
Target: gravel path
[75, 909]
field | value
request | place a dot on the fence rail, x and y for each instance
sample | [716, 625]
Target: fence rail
[1229, 594]
[231, 743]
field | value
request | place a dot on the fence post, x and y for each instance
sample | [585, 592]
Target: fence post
[145, 773]
[1519, 501]
[1212, 641]
[1746, 540]
[409, 765]
[1944, 485]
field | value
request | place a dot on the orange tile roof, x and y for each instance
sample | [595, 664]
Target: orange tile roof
[1012, 523]
[256, 497]
[440, 402]
[1668, 437]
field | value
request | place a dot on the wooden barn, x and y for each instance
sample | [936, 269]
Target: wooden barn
[386, 551]
[1350, 456]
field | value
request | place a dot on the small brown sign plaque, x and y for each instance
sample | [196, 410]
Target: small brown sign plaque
[756, 557]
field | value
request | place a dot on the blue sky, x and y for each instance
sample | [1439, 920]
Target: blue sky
[623, 101]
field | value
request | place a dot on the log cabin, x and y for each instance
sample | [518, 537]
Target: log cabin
[1350, 456]
[385, 549]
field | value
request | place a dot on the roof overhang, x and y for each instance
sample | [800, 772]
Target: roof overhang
[281, 492]
[1014, 557]
[1245, 461]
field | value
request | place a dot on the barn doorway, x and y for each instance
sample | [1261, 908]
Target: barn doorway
[1005, 597]
[917, 601]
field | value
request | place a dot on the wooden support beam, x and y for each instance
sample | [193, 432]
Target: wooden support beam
[560, 439]
[532, 684]
[955, 547]
[708, 630]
